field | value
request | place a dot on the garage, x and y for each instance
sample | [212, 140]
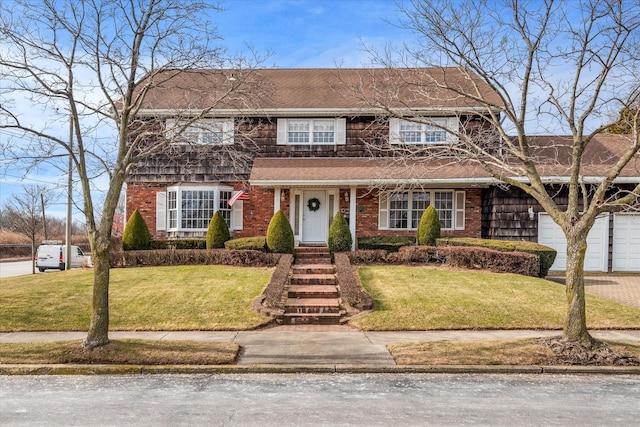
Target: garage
[550, 234]
[626, 242]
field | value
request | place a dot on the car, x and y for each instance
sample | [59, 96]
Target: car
[53, 256]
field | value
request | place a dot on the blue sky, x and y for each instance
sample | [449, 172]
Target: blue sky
[311, 33]
[298, 33]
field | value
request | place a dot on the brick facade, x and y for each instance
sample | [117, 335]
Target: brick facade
[142, 196]
[258, 210]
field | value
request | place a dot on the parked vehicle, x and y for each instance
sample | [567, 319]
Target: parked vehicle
[53, 256]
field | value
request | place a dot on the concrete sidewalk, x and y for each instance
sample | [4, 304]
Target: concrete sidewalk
[315, 345]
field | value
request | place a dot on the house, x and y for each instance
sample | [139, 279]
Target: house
[311, 142]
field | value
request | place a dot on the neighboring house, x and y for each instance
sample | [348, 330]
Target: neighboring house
[309, 145]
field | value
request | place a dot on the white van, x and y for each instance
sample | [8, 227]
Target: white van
[53, 256]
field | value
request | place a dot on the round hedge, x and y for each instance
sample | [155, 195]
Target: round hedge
[340, 239]
[218, 232]
[136, 234]
[428, 227]
[280, 237]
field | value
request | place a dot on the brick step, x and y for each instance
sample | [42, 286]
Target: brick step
[303, 261]
[312, 291]
[313, 279]
[312, 305]
[314, 269]
[313, 249]
[312, 319]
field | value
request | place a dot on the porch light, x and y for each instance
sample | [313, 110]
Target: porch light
[346, 196]
[531, 213]
[283, 196]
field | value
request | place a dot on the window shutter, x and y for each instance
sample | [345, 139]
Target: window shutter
[228, 131]
[282, 132]
[459, 209]
[341, 131]
[453, 124]
[236, 215]
[161, 211]
[394, 130]
[383, 212]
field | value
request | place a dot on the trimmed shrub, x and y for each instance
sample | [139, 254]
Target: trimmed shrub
[388, 243]
[368, 256]
[544, 254]
[280, 237]
[428, 227]
[417, 254]
[492, 260]
[340, 239]
[178, 244]
[247, 243]
[192, 257]
[218, 232]
[136, 234]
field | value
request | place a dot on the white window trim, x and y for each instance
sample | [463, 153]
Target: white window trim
[450, 125]
[457, 211]
[162, 210]
[176, 126]
[340, 127]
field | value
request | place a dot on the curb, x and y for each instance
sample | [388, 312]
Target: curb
[74, 369]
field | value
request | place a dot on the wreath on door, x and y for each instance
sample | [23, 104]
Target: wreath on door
[313, 204]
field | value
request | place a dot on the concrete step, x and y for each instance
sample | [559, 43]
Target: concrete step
[313, 279]
[312, 291]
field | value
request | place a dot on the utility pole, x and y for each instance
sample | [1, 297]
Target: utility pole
[67, 264]
[44, 218]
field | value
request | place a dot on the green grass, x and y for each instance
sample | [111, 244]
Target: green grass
[149, 298]
[423, 298]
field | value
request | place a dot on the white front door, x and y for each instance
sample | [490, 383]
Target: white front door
[314, 216]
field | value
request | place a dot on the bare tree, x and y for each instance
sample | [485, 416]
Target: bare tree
[88, 66]
[24, 215]
[549, 65]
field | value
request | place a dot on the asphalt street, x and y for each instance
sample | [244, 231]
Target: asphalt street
[320, 400]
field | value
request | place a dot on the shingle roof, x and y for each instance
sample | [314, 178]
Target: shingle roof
[317, 88]
[553, 162]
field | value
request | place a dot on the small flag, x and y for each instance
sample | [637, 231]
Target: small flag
[240, 195]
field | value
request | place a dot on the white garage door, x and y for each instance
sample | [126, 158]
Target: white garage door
[626, 242]
[550, 234]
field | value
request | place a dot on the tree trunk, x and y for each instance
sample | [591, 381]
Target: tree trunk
[98, 334]
[575, 325]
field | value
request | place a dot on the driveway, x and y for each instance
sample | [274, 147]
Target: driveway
[623, 288]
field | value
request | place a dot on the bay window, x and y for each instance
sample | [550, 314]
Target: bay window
[187, 210]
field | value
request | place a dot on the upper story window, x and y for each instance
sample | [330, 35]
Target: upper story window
[435, 130]
[311, 131]
[204, 131]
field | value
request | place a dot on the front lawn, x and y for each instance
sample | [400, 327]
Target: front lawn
[148, 298]
[424, 298]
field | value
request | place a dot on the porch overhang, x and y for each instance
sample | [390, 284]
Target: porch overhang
[361, 172]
